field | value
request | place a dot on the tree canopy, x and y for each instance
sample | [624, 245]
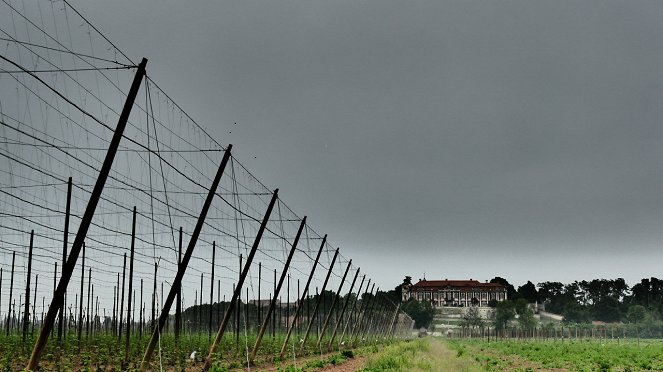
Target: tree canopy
[422, 312]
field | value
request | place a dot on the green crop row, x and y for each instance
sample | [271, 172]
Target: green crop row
[106, 352]
[572, 355]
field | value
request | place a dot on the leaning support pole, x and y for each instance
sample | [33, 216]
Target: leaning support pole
[26, 312]
[68, 269]
[272, 304]
[34, 304]
[177, 282]
[361, 314]
[124, 276]
[238, 288]
[385, 327]
[211, 293]
[390, 331]
[131, 285]
[333, 305]
[178, 305]
[377, 316]
[11, 292]
[64, 250]
[363, 331]
[80, 306]
[303, 296]
[345, 305]
[351, 315]
[87, 311]
[154, 297]
[317, 304]
[383, 323]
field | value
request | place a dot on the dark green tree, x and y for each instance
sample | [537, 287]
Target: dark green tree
[636, 313]
[573, 312]
[510, 290]
[609, 309]
[520, 306]
[504, 313]
[396, 294]
[528, 292]
[472, 319]
[526, 318]
[420, 311]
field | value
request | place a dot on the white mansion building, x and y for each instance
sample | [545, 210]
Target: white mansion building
[453, 292]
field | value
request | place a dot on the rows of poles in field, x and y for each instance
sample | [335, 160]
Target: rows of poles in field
[124, 224]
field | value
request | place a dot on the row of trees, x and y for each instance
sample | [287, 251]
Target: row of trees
[607, 300]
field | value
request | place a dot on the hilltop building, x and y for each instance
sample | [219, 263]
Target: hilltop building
[459, 293]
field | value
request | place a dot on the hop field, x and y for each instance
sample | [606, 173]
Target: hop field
[104, 352]
[603, 355]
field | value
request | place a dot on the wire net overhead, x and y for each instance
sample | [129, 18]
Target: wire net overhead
[62, 87]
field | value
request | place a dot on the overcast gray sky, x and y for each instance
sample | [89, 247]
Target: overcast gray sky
[460, 139]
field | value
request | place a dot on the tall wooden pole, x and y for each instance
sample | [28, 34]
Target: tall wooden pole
[304, 294]
[141, 312]
[375, 316]
[354, 306]
[361, 313]
[26, 312]
[131, 284]
[317, 304]
[259, 303]
[390, 331]
[67, 271]
[238, 288]
[274, 313]
[278, 290]
[211, 293]
[34, 303]
[333, 305]
[177, 282]
[345, 305]
[80, 305]
[64, 250]
[178, 305]
[87, 310]
[247, 321]
[11, 291]
[370, 305]
[154, 297]
[218, 300]
[200, 308]
[116, 308]
[239, 300]
[121, 310]
[287, 301]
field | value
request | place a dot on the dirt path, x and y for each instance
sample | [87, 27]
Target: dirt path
[349, 365]
[352, 364]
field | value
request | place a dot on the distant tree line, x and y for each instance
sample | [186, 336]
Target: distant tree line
[580, 302]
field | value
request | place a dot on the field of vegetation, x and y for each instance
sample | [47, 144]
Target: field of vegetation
[437, 354]
[104, 352]
[569, 355]
[425, 354]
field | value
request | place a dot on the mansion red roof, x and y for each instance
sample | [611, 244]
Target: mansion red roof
[429, 284]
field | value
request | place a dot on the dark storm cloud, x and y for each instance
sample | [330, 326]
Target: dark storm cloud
[461, 139]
